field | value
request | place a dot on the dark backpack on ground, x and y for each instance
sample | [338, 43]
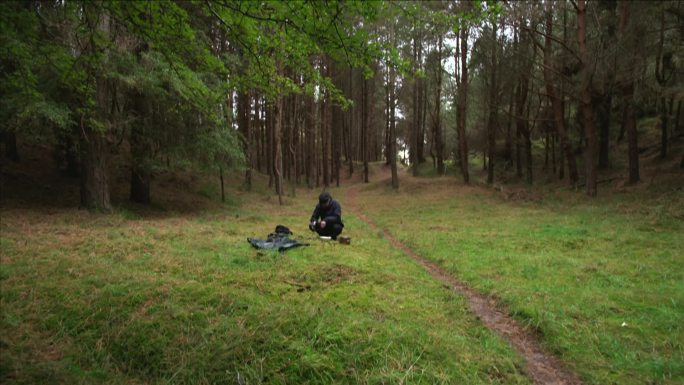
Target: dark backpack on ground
[280, 229]
[280, 240]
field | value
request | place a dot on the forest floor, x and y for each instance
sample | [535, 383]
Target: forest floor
[173, 293]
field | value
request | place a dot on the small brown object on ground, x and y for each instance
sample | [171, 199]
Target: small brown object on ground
[344, 240]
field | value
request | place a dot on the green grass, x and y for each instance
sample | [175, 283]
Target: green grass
[182, 298]
[601, 282]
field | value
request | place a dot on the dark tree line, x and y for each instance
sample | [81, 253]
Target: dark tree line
[308, 93]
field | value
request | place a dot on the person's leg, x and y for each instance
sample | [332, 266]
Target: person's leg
[335, 230]
[329, 231]
[322, 232]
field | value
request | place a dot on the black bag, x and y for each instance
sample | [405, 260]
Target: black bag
[280, 229]
[280, 240]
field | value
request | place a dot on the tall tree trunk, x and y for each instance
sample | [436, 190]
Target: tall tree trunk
[244, 109]
[393, 123]
[388, 85]
[663, 72]
[350, 126]
[94, 169]
[93, 143]
[278, 154]
[310, 148]
[365, 119]
[508, 145]
[369, 123]
[270, 141]
[293, 145]
[632, 136]
[223, 190]
[604, 108]
[462, 104]
[546, 148]
[140, 167]
[326, 120]
[336, 126]
[626, 83]
[553, 152]
[415, 111]
[523, 130]
[664, 117]
[587, 109]
[256, 135]
[518, 145]
[493, 108]
[556, 102]
[678, 116]
[419, 105]
[423, 101]
[508, 153]
[438, 137]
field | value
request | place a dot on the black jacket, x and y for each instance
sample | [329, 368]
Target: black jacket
[332, 214]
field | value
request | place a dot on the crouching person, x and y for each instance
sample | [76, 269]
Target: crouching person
[326, 219]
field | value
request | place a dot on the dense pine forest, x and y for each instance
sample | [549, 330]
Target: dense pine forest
[508, 177]
[308, 91]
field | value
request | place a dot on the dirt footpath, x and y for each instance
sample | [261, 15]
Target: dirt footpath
[542, 367]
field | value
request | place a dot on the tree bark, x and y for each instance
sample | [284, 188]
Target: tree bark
[336, 127]
[94, 169]
[256, 135]
[370, 116]
[270, 142]
[244, 109]
[462, 104]
[604, 110]
[388, 85]
[223, 191]
[587, 109]
[518, 144]
[508, 144]
[626, 83]
[278, 154]
[663, 72]
[493, 108]
[522, 123]
[556, 103]
[94, 146]
[365, 127]
[350, 126]
[293, 130]
[140, 152]
[393, 123]
[664, 118]
[437, 123]
[415, 111]
[604, 130]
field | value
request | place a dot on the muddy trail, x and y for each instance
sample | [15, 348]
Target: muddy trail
[542, 367]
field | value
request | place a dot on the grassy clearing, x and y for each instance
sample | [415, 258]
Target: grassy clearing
[166, 297]
[600, 281]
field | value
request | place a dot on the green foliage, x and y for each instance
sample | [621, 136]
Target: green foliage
[75, 63]
[27, 101]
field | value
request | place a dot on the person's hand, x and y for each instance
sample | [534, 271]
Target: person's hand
[312, 226]
[322, 224]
